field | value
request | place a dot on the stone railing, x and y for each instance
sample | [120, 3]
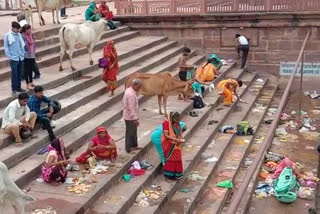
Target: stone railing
[163, 7]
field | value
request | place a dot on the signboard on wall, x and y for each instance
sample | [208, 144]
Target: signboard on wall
[309, 69]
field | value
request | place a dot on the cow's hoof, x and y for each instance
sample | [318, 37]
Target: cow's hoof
[58, 22]
[60, 69]
[91, 62]
[160, 113]
[73, 69]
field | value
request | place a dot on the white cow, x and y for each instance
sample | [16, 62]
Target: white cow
[10, 193]
[86, 34]
[53, 5]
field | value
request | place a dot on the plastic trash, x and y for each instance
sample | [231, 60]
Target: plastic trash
[211, 160]
[225, 184]
[126, 177]
[185, 190]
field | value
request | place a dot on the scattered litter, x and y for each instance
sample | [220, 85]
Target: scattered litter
[79, 188]
[211, 122]
[310, 148]
[188, 201]
[226, 128]
[314, 95]
[315, 111]
[145, 165]
[303, 112]
[43, 150]
[92, 162]
[48, 210]
[285, 117]
[206, 155]
[194, 176]
[211, 160]
[268, 121]
[260, 80]
[114, 199]
[247, 162]
[304, 130]
[306, 93]
[264, 190]
[73, 167]
[126, 177]
[185, 190]
[99, 169]
[40, 180]
[271, 111]
[69, 181]
[225, 184]
[147, 195]
[259, 139]
[293, 112]
[231, 168]
[306, 193]
[281, 132]
[247, 141]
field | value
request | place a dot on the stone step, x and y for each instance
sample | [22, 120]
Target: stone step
[148, 118]
[52, 46]
[50, 54]
[127, 192]
[42, 33]
[67, 122]
[49, 38]
[239, 176]
[52, 78]
[73, 99]
[191, 153]
[81, 134]
[221, 148]
[30, 167]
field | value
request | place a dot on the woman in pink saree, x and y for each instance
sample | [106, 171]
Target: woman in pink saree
[54, 168]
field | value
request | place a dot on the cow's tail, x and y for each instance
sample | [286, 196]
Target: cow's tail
[62, 39]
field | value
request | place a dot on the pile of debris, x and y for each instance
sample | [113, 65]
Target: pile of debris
[285, 179]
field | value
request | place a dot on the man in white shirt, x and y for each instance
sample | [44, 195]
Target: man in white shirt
[17, 115]
[242, 45]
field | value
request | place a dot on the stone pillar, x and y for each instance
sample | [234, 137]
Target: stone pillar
[173, 7]
[144, 8]
[235, 5]
[203, 6]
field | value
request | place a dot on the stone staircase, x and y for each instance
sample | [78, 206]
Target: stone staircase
[85, 106]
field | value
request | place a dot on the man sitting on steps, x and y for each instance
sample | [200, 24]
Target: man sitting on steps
[17, 116]
[44, 115]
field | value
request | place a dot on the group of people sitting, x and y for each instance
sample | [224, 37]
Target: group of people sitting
[93, 13]
[20, 116]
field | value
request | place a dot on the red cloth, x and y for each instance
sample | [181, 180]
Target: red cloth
[174, 163]
[109, 52]
[102, 153]
[105, 12]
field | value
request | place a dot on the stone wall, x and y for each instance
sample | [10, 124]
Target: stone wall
[274, 38]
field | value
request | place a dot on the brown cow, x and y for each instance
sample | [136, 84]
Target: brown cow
[161, 84]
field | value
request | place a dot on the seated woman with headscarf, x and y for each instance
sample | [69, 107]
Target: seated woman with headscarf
[54, 168]
[92, 13]
[207, 72]
[171, 144]
[102, 147]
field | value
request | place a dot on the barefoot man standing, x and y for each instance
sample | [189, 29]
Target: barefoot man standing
[131, 115]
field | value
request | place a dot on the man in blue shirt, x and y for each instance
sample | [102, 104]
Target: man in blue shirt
[44, 116]
[14, 47]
